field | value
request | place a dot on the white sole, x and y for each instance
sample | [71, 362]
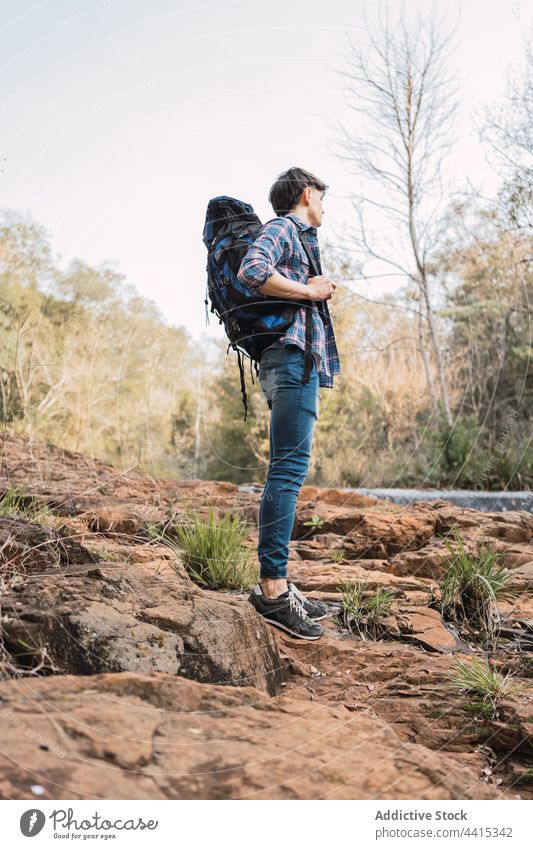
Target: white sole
[294, 633]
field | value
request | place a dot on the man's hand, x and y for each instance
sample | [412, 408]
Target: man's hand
[321, 288]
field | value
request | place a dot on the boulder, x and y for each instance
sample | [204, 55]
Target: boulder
[142, 618]
[373, 532]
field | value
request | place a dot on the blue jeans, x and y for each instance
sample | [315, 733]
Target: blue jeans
[295, 407]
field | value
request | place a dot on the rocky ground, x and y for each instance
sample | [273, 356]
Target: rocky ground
[138, 684]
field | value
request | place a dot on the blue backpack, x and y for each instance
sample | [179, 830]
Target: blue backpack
[252, 321]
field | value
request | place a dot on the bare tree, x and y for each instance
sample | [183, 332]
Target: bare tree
[508, 129]
[399, 88]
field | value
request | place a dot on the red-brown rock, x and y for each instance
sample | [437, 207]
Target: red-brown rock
[160, 737]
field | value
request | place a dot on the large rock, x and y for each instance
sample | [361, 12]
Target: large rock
[309, 496]
[141, 618]
[156, 736]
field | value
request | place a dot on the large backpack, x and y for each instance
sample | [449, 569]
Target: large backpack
[252, 321]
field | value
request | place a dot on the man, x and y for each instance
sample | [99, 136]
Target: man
[276, 264]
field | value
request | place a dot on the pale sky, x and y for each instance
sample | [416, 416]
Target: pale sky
[121, 119]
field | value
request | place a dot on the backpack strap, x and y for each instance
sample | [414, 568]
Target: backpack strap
[308, 361]
[243, 384]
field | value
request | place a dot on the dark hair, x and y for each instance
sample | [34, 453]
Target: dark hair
[288, 188]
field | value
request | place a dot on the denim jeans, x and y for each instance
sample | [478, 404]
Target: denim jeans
[295, 408]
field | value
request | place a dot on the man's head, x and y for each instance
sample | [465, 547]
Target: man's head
[300, 192]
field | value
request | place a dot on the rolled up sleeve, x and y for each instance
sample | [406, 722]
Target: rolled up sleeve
[264, 254]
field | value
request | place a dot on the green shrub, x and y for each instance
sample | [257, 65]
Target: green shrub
[465, 455]
[456, 451]
[472, 584]
[362, 609]
[212, 550]
[479, 678]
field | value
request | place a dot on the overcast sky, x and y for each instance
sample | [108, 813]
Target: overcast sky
[121, 119]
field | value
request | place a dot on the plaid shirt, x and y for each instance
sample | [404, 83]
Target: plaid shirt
[278, 248]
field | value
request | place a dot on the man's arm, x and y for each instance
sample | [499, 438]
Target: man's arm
[258, 268]
[281, 287]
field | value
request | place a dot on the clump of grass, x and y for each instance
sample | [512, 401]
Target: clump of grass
[362, 609]
[480, 679]
[337, 555]
[212, 550]
[472, 584]
[15, 504]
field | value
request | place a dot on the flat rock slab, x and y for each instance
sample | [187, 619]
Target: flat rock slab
[409, 688]
[129, 736]
[423, 626]
[313, 575]
[370, 532]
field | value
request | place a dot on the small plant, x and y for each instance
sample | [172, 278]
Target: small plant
[314, 522]
[432, 600]
[107, 556]
[337, 555]
[472, 584]
[212, 550]
[526, 777]
[479, 708]
[362, 609]
[436, 714]
[32, 661]
[479, 678]
[15, 504]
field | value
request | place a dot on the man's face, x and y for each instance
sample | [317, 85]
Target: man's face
[315, 209]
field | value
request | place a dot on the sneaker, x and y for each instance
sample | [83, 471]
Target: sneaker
[315, 609]
[287, 612]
